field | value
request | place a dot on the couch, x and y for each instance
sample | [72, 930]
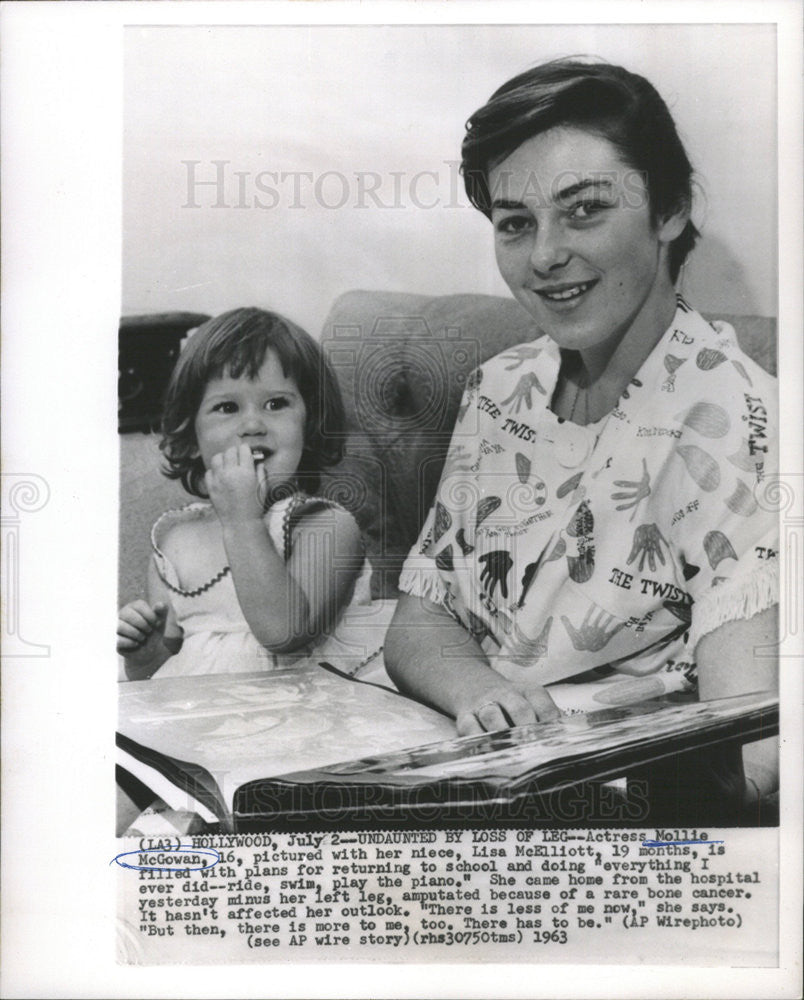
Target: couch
[402, 361]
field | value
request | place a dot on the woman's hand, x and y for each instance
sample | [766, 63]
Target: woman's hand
[235, 486]
[489, 705]
[429, 654]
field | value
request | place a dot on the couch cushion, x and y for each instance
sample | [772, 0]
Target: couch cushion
[402, 362]
[144, 495]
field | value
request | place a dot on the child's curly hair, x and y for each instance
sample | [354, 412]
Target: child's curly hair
[235, 344]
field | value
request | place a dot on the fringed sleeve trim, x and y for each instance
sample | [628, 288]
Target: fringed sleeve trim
[735, 600]
[421, 582]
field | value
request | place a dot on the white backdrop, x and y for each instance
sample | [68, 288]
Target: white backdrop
[322, 105]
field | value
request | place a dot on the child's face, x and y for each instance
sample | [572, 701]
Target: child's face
[267, 413]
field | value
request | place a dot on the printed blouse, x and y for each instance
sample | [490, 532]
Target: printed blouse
[562, 548]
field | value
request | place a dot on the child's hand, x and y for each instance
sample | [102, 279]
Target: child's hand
[140, 629]
[499, 704]
[235, 486]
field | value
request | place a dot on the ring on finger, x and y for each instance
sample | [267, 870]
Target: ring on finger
[487, 704]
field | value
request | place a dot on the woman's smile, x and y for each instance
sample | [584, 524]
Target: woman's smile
[566, 295]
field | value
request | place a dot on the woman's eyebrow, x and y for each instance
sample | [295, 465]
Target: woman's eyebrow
[564, 194]
[591, 182]
[505, 205]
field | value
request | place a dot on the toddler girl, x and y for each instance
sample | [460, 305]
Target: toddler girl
[261, 572]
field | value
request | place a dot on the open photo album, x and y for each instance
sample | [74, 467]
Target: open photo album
[309, 746]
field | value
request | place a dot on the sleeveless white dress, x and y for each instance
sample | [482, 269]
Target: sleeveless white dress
[217, 638]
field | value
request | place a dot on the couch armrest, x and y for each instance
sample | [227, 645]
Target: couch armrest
[147, 350]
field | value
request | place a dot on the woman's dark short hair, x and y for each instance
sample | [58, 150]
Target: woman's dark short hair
[235, 344]
[600, 98]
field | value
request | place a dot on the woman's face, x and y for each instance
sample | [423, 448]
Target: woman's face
[574, 239]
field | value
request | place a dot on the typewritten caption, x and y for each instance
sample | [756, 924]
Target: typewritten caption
[595, 895]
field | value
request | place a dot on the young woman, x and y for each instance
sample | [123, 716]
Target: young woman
[609, 511]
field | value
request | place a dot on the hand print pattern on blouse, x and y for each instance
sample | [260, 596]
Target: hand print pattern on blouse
[634, 491]
[647, 544]
[497, 566]
[595, 631]
[523, 393]
[525, 651]
[654, 538]
[521, 354]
